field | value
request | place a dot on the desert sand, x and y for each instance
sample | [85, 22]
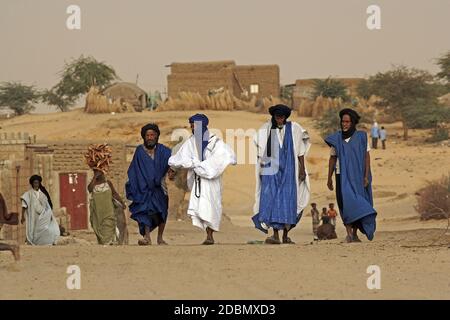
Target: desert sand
[413, 255]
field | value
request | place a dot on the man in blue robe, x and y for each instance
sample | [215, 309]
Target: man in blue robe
[282, 184]
[350, 161]
[146, 186]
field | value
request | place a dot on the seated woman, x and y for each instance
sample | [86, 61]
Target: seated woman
[101, 205]
[41, 225]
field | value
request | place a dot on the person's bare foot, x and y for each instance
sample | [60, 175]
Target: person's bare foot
[144, 242]
[16, 252]
[355, 239]
[288, 240]
[208, 242]
[161, 242]
[348, 239]
[272, 240]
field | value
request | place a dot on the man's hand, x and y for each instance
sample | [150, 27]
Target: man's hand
[171, 174]
[302, 175]
[195, 163]
[330, 184]
[366, 182]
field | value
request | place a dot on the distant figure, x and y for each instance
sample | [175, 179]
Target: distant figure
[324, 213]
[326, 231]
[383, 135]
[332, 214]
[375, 134]
[315, 219]
[41, 225]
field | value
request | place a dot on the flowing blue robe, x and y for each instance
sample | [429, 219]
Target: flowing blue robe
[149, 202]
[278, 199]
[357, 201]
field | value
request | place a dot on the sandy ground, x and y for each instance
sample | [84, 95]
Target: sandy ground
[412, 255]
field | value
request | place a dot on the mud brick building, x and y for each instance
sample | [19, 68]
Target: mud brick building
[64, 172]
[240, 80]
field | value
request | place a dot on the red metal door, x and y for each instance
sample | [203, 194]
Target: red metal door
[73, 196]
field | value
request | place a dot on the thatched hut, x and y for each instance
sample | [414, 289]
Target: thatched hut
[127, 92]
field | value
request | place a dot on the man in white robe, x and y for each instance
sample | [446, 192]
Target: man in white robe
[282, 181]
[41, 226]
[206, 158]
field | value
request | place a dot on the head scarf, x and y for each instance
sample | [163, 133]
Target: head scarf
[201, 142]
[41, 187]
[277, 110]
[150, 126]
[354, 117]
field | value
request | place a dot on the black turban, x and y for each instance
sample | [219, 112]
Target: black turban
[277, 110]
[150, 126]
[280, 110]
[34, 178]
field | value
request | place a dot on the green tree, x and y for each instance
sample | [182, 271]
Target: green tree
[77, 77]
[426, 114]
[55, 97]
[401, 90]
[286, 92]
[330, 88]
[444, 63]
[18, 97]
[363, 89]
[329, 122]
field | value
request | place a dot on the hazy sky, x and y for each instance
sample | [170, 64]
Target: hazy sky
[307, 39]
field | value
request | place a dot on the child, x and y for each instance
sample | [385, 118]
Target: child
[326, 231]
[324, 213]
[332, 214]
[315, 219]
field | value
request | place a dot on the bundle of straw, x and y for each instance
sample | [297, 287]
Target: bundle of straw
[98, 157]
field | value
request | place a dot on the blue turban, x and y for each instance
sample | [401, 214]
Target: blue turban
[201, 142]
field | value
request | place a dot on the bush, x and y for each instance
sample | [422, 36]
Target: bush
[439, 134]
[330, 88]
[433, 200]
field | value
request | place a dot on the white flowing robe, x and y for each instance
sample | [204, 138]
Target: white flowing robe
[205, 210]
[302, 144]
[41, 226]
